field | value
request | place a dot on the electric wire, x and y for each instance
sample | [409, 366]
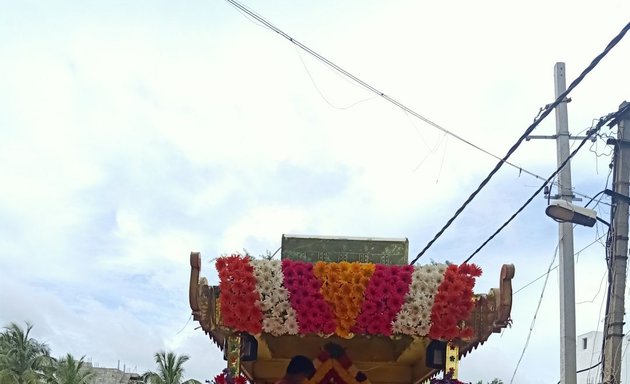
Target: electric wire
[599, 318]
[354, 78]
[321, 94]
[596, 294]
[531, 329]
[438, 143]
[442, 162]
[601, 123]
[185, 325]
[527, 132]
[533, 323]
[502, 160]
[556, 266]
[584, 370]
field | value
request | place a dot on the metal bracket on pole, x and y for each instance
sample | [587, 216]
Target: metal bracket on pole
[553, 137]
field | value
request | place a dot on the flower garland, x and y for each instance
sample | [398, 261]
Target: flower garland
[279, 317]
[314, 315]
[453, 303]
[412, 319]
[384, 298]
[294, 297]
[239, 297]
[343, 287]
[224, 379]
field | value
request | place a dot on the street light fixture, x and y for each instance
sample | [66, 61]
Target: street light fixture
[565, 212]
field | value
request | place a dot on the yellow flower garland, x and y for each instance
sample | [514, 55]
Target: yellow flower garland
[343, 285]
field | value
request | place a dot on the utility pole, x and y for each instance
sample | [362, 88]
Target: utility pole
[618, 254]
[568, 367]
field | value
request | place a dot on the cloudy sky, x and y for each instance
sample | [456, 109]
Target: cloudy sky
[132, 133]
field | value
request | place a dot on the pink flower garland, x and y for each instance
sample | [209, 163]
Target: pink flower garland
[384, 297]
[313, 314]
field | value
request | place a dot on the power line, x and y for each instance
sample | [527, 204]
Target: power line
[589, 368]
[556, 266]
[596, 294]
[357, 80]
[531, 327]
[586, 369]
[599, 318]
[321, 94]
[527, 132]
[249, 14]
[184, 327]
[601, 123]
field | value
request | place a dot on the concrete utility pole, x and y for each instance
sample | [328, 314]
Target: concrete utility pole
[568, 369]
[568, 366]
[619, 254]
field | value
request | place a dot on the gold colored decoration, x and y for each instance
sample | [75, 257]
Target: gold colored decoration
[217, 309]
[452, 359]
[234, 355]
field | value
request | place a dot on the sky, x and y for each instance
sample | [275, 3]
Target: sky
[132, 133]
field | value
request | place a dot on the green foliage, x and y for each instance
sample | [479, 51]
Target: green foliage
[268, 255]
[433, 262]
[68, 370]
[170, 369]
[23, 360]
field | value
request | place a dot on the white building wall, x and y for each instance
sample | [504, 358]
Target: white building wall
[589, 349]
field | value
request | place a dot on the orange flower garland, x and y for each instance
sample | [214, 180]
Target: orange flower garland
[343, 285]
[453, 303]
[239, 298]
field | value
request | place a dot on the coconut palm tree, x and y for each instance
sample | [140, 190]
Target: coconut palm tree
[22, 358]
[69, 370]
[170, 369]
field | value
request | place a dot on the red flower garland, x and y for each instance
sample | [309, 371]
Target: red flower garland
[453, 303]
[384, 297]
[223, 379]
[239, 297]
[313, 313]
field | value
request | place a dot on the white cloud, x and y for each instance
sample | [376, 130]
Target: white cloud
[133, 134]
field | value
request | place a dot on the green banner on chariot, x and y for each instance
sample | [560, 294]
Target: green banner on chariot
[336, 249]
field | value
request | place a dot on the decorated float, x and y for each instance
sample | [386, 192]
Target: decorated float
[354, 306]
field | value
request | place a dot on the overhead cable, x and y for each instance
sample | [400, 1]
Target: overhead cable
[600, 124]
[250, 14]
[556, 266]
[533, 323]
[527, 132]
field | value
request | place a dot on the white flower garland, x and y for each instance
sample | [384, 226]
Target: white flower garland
[414, 317]
[279, 317]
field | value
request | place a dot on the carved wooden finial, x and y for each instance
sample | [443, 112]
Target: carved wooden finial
[193, 289]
